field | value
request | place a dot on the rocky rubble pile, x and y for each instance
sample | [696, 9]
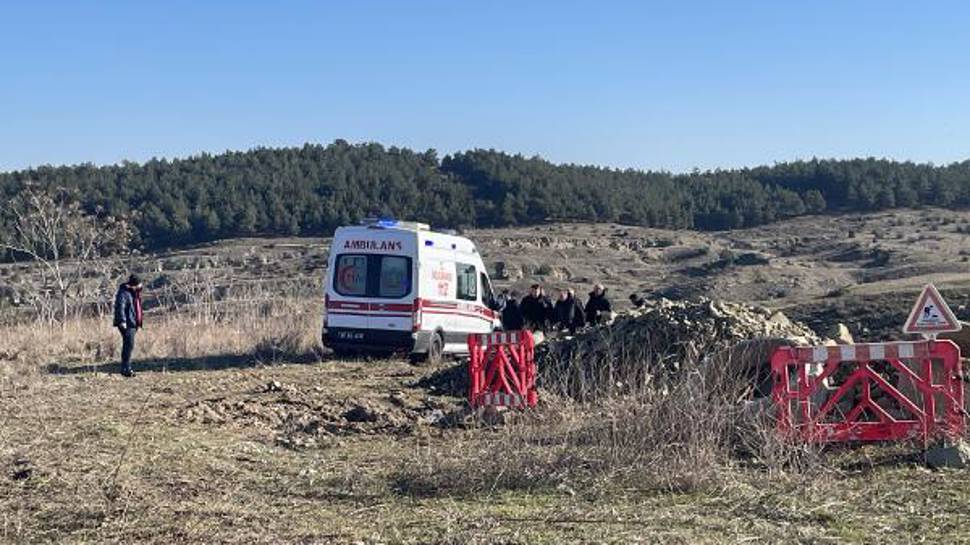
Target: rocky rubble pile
[663, 337]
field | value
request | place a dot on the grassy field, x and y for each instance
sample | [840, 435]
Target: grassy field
[225, 449]
[239, 428]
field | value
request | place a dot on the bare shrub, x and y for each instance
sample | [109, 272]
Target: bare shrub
[287, 334]
[291, 344]
[645, 428]
[587, 372]
[676, 434]
[763, 448]
[49, 228]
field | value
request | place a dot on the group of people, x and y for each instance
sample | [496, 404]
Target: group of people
[537, 312]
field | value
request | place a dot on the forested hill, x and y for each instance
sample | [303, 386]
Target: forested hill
[312, 189]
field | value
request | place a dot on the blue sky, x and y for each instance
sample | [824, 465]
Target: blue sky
[655, 85]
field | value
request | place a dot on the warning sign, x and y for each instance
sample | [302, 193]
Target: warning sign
[931, 315]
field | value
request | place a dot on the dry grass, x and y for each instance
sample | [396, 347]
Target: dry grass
[110, 461]
[277, 331]
[683, 432]
[87, 457]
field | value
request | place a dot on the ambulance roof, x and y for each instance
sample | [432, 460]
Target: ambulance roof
[421, 230]
[385, 223]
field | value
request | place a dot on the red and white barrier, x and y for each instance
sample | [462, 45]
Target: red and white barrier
[928, 371]
[502, 370]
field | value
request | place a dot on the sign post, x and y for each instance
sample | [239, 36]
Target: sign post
[931, 315]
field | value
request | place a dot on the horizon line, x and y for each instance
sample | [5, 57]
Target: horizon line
[693, 170]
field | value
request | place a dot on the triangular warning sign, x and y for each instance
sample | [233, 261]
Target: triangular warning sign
[931, 315]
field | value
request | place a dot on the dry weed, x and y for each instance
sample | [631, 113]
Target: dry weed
[685, 431]
[282, 331]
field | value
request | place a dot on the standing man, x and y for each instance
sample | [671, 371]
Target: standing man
[535, 309]
[501, 300]
[512, 314]
[598, 308]
[128, 319]
[569, 312]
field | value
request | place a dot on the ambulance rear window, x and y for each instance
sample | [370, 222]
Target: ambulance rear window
[351, 277]
[378, 276]
[394, 276]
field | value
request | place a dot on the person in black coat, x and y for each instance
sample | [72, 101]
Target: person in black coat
[598, 307]
[128, 319]
[536, 309]
[568, 312]
[511, 314]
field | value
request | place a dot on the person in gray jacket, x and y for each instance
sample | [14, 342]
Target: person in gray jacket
[128, 319]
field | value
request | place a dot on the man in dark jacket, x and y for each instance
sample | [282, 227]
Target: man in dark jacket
[128, 319]
[568, 312]
[536, 308]
[500, 300]
[598, 308]
[512, 315]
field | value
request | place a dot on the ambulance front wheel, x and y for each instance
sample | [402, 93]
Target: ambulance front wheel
[435, 353]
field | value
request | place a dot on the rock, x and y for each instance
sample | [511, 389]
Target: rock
[561, 273]
[159, 282]
[949, 455]
[433, 417]
[507, 271]
[780, 319]
[841, 335]
[274, 386]
[752, 258]
[494, 416]
[22, 470]
[361, 414]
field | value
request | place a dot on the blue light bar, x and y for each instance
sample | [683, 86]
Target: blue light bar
[387, 222]
[428, 243]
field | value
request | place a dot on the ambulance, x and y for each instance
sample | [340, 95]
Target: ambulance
[396, 286]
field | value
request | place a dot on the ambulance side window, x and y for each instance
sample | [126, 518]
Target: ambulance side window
[467, 284]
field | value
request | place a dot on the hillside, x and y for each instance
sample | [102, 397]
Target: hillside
[240, 429]
[861, 269]
[310, 190]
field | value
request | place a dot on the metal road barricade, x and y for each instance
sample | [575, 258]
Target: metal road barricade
[869, 392]
[502, 369]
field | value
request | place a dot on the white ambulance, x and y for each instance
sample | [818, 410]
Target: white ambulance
[400, 287]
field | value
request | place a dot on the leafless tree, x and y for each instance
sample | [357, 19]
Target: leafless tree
[50, 228]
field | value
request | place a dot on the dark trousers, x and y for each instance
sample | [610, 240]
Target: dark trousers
[127, 346]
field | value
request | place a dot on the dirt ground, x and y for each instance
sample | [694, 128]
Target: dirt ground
[312, 453]
[214, 443]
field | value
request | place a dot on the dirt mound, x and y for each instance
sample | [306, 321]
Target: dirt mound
[448, 381]
[661, 337]
[307, 417]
